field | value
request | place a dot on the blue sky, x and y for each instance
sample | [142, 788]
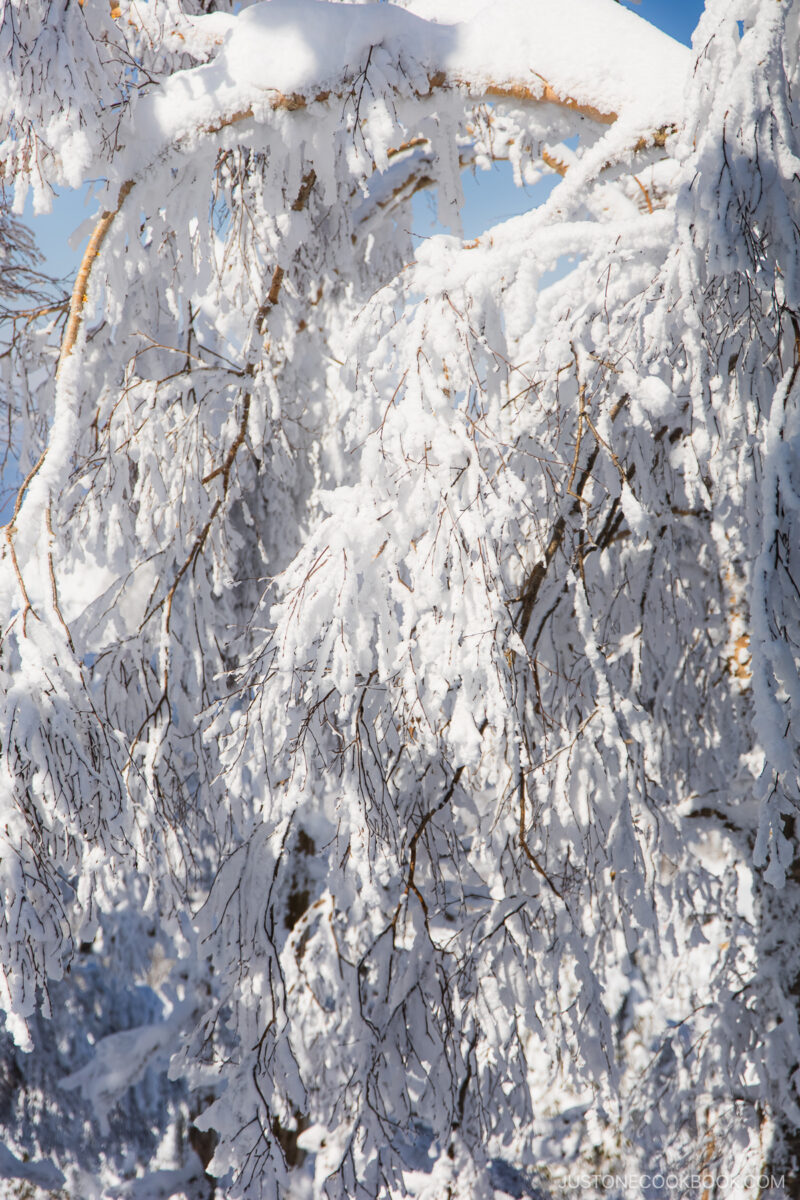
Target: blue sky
[490, 196]
[678, 18]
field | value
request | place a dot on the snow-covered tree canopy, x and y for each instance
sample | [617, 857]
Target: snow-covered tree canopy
[399, 655]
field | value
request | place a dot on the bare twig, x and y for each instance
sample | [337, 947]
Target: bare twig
[412, 845]
[532, 859]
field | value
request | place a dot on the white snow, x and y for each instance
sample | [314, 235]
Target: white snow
[613, 61]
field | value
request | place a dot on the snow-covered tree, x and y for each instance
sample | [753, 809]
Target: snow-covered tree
[400, 689]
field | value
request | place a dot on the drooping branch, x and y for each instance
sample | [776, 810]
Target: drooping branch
[519, 92]
[80, 290]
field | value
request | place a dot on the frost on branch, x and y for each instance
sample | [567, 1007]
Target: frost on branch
[399, 647]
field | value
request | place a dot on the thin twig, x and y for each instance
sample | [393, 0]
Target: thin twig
[523, 843]
[412, 845]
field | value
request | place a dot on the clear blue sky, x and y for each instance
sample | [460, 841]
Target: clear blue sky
[678, 18]
[490, 196]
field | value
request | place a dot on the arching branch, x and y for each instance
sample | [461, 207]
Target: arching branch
[521, 93]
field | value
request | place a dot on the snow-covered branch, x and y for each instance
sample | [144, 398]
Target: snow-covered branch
[399, 638]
